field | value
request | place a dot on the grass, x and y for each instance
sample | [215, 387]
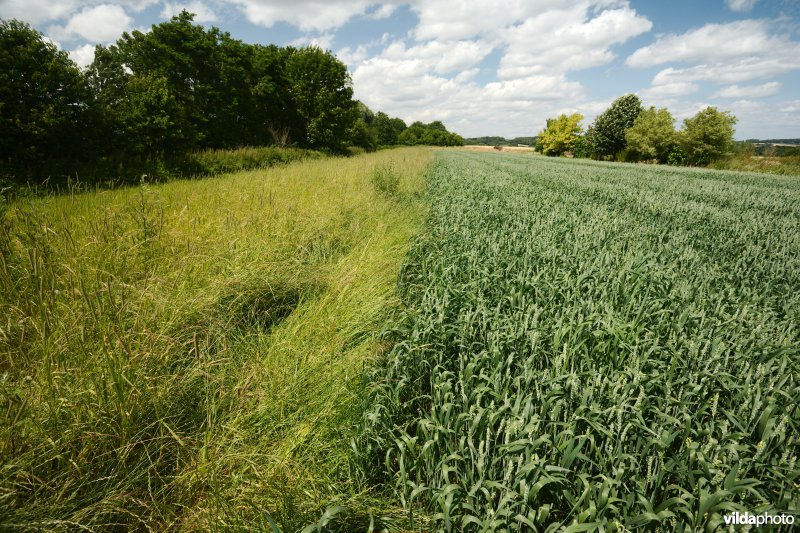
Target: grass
[593, 346]
[191, 355]
[784, 165]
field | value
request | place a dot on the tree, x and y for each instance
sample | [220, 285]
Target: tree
[652, 135]
[707, 136]
[322, 94]
[560, 134]
[433, 134]
[608, 130]
[44, 100]
[388, 129]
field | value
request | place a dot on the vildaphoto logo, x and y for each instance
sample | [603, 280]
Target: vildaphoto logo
[763, 519]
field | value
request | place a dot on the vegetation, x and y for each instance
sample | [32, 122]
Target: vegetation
[433, 134]
[153, 97]
[189, 355]
[707, 136]
[606, 137]
[593, 345]
[560, 135]
[500, 141]
[652, 135]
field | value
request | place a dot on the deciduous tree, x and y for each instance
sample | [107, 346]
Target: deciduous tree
[707, 136]
[608, 130]
[560, 134]
[652, 135]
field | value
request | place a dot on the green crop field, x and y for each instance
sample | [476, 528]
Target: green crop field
[593, 345]
[534, 344]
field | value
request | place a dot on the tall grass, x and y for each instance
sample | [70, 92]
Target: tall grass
[593, 346]
[189, 355]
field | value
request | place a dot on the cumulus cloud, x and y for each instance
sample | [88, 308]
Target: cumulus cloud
[202, 12]
[750, 91]
[741, 5]
[307, 15]
[670, 90]
[323, 41]
[712, 42]
[39, 11]
[99, 24]
[83, 55]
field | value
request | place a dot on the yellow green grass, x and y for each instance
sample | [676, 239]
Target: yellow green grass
[191, 355]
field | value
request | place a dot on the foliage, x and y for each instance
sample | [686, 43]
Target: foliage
[560, 135]
[43, 101]
[607, 137]
[321, 91]
[593, 346]
[385, 179]
[388, 129]
[433, 134]
[707, 136]
[652, 135]
[154, 95]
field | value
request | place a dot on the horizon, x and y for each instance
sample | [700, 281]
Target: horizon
[485, 71]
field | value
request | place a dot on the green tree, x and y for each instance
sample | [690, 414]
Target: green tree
[608, 130]
[707, 136]
[322, 95]
[44, 99]
[652, 135]
[560, 135]
[388, 129]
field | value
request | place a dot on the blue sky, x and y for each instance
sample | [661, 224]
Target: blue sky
[502, 67]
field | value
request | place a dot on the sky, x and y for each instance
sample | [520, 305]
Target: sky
[501, 67]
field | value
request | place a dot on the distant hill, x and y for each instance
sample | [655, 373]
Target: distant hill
[500, 141]
[793, 142]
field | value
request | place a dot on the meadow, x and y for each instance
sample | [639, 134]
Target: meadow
[593, 346]
[190, 355]
[403, 341]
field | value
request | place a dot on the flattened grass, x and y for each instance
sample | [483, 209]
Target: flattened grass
[190, 355]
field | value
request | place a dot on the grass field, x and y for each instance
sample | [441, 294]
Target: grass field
[593, 346]
[532, 344]
[190, 355]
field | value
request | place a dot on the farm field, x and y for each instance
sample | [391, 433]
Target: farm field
[189, 356]
[403, 341]
[595, 345]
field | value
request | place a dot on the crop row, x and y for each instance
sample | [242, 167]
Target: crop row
[595, 346]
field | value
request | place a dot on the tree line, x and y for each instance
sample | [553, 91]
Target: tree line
[179, 87]
[628, 132]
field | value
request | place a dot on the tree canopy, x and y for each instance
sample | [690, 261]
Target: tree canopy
[178, 87]
[607, 137]
[652, 135]
[707, 136]
[560, 135]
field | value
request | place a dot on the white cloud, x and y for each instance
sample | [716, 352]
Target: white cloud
[202, 12]
[670, 90]
[99, 24]
[307, 15]
[383, 11]
[323, 41]
[712, 42]
[83, 55]
[563, 40]
[741, 5]
[436, 75]
[37, 11]
[749, 91]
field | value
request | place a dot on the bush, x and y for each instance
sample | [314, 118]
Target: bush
[386, 180]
